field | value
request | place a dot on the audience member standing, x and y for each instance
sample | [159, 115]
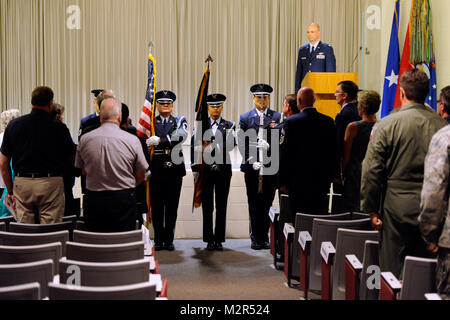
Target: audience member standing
[444, 104]
[69, 169]
[434, 219]
[356, 139]
[346, 96]
[39, 146]
[392, 172]
[114, 164]
[308, 156]
[6, 117]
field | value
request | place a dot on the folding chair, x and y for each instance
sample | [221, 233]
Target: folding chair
[42, 228]
[138, 291]
[22, 273]
[24, 254]
[29, 239]
[28, 291]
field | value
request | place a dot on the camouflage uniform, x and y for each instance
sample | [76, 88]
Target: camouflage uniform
[392, 178]
[434, 219]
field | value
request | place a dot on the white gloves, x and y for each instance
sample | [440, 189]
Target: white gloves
[209, 148]
[198, 149]
[147, 175]
[153, 141]
[257, 165]
[262, 144]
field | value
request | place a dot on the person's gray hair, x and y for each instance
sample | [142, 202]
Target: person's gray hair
[8, 115]
[110, 110]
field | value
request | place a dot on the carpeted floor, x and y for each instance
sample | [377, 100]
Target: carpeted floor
[237, 273]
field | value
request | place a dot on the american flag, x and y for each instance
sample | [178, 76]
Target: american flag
[146, 125]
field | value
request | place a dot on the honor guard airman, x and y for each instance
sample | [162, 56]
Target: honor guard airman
[260, 188]
[217, 171]
[167, 168]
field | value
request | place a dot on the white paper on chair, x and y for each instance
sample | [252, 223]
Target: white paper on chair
[326, 250]
[304, 237]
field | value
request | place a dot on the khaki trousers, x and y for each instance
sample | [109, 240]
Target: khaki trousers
[39, 197]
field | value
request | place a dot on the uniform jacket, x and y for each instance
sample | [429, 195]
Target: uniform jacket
[320, 60]
[393, 169]
[227, 129]
[308, 152]
[434, 219]
[250, 120]
[171, 136]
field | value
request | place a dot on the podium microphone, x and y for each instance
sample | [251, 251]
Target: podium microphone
[357, 55]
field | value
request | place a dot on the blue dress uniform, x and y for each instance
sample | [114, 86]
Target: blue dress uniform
[167, 175]
[320, 60]
[217, 176]
[258, 203]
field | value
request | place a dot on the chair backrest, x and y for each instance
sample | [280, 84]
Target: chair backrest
[107, 238]
[370, 259]
[286, 215]
[80, 225]
[29, 239]
[2, 226]
[138, 291]
[303, 222]
[419, 277]
[348, 242]
[359, 215]
[72, 218]
[38, 271]
[105, 274]
[28, 291]
[41, 228]
[7, 221]
[105, 252]
[326, 230]
[24, 254]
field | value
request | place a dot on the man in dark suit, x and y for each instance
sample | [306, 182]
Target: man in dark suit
[315, 56]
[167, 168]
[308, 156]
[260, 186]
[217, 171]
[346, 96]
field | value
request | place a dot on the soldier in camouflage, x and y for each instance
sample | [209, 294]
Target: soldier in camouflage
[434, 219]
[392, 173]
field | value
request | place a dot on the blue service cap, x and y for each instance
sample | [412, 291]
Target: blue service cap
[165, 97]
[96, 92]
[261, 89]
[215, 99]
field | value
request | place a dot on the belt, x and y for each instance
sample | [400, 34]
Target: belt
[37, 175]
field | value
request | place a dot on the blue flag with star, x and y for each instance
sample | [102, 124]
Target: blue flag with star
[392, 67]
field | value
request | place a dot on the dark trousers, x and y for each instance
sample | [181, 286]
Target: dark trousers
[165, 192]
[312, 202]
[110, 211]
[259, 205]
[218, 184]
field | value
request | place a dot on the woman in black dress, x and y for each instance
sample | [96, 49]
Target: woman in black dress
[357, 136]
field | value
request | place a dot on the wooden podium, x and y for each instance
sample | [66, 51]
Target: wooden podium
[324, 85]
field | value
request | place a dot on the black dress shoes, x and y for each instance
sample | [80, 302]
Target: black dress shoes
[265, 245]
[219, 246]
[255, 245]
[170, 247]
[210, 246]
[159, 247]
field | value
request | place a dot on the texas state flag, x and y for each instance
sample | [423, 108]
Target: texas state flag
[392, 67]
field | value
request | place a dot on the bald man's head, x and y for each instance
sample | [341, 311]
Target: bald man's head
[111, 111]
[313, 32]
[103, 96]
[305, 98]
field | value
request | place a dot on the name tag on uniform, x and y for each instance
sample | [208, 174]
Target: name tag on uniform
[302, 58]
[320, 56]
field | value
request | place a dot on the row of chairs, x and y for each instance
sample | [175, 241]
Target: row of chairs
[330, 255]
[110, 265]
